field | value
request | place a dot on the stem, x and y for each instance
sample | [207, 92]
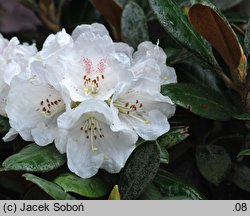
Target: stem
[227, 80]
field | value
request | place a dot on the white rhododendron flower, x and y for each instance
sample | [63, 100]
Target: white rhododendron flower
[91, 96]
[146, 113]
[33, 106]
[92, 144]
[93, 66]
[149, 65]
[14, 58]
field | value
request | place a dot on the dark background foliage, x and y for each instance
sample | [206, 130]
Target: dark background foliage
[199, 158]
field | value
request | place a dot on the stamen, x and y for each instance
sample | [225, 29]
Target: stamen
[49, 108]
[92, 74]
[134, 110]
[92, 131]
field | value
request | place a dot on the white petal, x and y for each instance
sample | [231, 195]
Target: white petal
[61, 140]
[44, 134]
[96, 28]
[124, 51]
[149, 118]
[70, 118]
[11, 135]
[116, 147]
[81, 160]
[147, 75]
[168, 75]
[4, 89]
[25, 107]
[11, 71]
[94, 46]
[86, 153]
[158, 125]
[150, 51]
[54, 43]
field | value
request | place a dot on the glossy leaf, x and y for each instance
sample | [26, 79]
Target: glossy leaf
[247, 39]
[213, 163]
[216, 29]
[134, 25]
[245, 152]
[236, 17]
[199, 100]
[242, 116]
[34, 158]
[164, 155]
[50, 188]
[112, 12]
[143, 4]
[226, 4]
[115, 194]
[151, 193]
[177, 25]
[196, 71]
[173, 137]
[172, 187]
[92, 187]
[139, 170]
[241, 177]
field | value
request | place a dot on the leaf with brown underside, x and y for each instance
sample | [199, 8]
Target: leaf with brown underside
[216, 30]
[112, 12]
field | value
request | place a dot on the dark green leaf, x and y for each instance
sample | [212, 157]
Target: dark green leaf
[92, 187]
[247, 39]
[4, 124]
[134, 25]
[164, 155]
[115, 194]
[140, 141]
[36, 193]
[200, 100]
[34, 158]
[151, 193]
[143, 4]
[213, 162]
[172, 187]
[173, 137]
[236, 17]
[49, 187]
[193, 70]
[243, 116]
[177, 25]
[241, 177]
[139, 170]
[245, 152]
[226, 4]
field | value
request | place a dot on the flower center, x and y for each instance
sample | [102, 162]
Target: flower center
[92, 131]
[133, 110]
[93, 75]
[49, 108]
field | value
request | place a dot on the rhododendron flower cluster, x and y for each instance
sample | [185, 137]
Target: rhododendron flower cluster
[89, 95]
